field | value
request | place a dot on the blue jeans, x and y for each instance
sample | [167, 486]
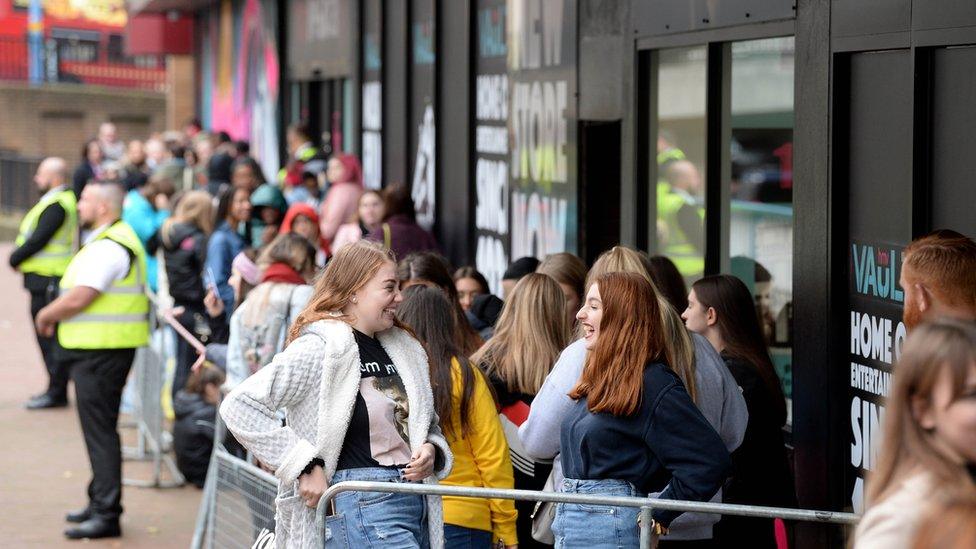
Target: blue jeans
[459, 537]
[595, 526]
[374, 519]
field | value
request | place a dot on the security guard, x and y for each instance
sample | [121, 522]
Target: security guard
[48, 238]
[683, 218]
[101, 317]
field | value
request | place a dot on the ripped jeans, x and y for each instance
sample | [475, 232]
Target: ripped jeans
[373, 519]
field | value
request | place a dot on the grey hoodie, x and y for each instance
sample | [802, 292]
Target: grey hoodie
[719, 399]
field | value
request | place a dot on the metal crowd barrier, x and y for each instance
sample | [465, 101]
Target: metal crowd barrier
[147, 417]
[646, 505]
[237, 508]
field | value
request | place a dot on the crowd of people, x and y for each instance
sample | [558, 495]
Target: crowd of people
[342, 346]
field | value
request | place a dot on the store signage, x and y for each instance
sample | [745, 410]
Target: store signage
[491, 143]
[876, 335]
[372, 95]
[542, 128]
[423, 57]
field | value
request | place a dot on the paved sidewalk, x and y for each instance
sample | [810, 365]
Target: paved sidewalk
[44, 468]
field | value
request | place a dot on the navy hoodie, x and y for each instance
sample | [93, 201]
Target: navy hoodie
[665, 443]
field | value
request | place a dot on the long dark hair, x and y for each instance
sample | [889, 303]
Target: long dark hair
[669, 282]
[430, 267]
[738, 323]
[397, 201]
[429, 313]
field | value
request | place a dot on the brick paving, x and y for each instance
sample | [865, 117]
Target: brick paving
[44, 469]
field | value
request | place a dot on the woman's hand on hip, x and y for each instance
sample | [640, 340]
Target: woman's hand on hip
[421, 465]
[312, 485]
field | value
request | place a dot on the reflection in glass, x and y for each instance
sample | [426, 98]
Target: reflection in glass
[680, 186]
[761, 229]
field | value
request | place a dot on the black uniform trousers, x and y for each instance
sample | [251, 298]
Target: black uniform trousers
[44, 290]
[99, 376]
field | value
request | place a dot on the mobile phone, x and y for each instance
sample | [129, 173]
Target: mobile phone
[211, 281]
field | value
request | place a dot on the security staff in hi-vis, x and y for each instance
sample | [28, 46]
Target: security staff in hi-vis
[101, 317]
[47, 239]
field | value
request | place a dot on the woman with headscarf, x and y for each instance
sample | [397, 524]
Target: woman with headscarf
[345, 177]
[302, 219]
[268, 209]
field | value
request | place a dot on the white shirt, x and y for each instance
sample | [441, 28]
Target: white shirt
[103, 262]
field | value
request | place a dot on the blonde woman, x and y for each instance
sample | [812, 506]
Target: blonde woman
[530, 333]
[183, 239]
[570, 272]
[928, 449]
[700, 368]
[358, 394]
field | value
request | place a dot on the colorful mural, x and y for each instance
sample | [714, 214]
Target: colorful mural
[240, 75]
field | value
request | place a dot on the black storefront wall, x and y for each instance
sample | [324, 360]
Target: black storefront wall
[432, 55]
[902, 87]
[882, 153]
[320, 56]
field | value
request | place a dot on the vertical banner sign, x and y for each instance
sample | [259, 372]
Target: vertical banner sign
[422, 60]
[491, 143]
[542, 126]
[372, 98]
[876, 337]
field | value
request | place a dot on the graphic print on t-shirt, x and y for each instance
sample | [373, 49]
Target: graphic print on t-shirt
[386, 399]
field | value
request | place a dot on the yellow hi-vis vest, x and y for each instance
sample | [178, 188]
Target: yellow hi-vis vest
[119, 317]
[53, 259]
[689, 261]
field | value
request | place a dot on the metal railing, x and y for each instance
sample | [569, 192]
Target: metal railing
[87, 63]
[646, 505]
[147, 416]
[238, 504]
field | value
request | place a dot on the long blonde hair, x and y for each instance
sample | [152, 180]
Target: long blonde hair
[679, 350]
[348, 271]
[531, 332]
[931, 351]
[195, 208]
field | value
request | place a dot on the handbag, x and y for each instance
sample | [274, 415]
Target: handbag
[544, 514]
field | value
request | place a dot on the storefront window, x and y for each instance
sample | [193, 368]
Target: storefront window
[680, 186]
[761, 225]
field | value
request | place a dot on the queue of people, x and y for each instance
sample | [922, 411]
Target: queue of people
[192, 221]
[351, 350]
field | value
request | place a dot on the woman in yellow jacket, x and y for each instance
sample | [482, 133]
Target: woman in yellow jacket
[469, 419]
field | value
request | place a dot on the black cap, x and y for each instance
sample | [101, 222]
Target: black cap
[485, 310]
[521, 267]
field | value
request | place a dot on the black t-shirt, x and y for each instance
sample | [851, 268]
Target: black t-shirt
[377, 434]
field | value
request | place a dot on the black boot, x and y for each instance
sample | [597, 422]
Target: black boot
[79, 516]
[94, 528]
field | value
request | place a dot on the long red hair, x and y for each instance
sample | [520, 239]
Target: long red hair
[630, 337]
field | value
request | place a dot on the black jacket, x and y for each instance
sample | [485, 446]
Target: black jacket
[761, 471]
[185, 253]
[83, 174]
[193, 435]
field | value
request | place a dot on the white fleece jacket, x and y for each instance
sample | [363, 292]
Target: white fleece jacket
[317, 379]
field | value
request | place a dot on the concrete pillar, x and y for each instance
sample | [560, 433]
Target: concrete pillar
[181, 90]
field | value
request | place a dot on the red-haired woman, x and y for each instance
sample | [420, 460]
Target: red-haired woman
[345, 185]
[633, 429]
